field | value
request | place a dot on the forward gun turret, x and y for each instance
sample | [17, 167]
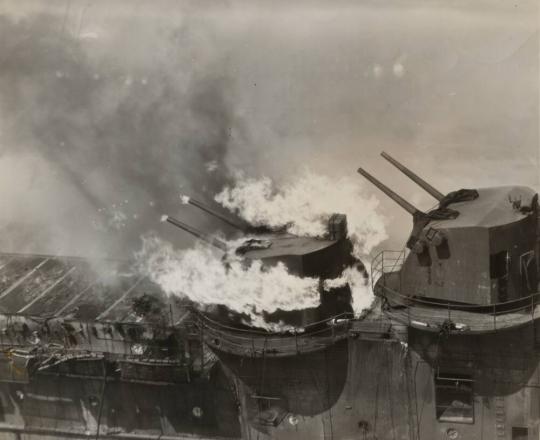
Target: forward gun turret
[476, 251]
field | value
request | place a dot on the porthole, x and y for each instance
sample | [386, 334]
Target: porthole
[452, 434]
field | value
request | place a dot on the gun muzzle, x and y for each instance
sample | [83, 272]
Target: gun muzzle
[420, 182]
[396, 198]
[195, 232]
[213, 213]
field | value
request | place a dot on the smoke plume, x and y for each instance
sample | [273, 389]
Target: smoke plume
[110, 110]
[103, 142]
[304, 203]
[201, 275]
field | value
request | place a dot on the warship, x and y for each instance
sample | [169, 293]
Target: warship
[449, 349]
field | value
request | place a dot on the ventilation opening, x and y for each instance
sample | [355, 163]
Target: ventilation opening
[424, 258]
[454, 398]
[498, 268]
[520, 433]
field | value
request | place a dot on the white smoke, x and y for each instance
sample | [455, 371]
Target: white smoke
[362, 295]
[200, 275]
[305, 204]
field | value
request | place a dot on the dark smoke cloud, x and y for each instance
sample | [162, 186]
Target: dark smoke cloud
[129, 137]
[103, 102]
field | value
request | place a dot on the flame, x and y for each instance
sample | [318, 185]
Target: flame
[200, 275]
[305, 204]
[362, 296]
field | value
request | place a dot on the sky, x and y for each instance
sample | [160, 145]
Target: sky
[109, 110]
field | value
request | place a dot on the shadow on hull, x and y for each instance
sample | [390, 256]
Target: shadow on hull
[307, 385]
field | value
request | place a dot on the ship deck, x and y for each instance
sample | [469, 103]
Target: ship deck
[438, 319]
[252, 343]
[426, 314]
[75, 288]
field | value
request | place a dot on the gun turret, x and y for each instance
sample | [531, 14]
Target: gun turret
[396, 198]
[213, 213]
[420, 182]
[195, 232]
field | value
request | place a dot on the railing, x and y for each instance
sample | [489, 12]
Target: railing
[246, 342]
[461, 317]
[386, 262]
[307, 329]
[432, 314]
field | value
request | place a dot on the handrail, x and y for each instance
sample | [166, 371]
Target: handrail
[459, 318]
[203, 317]
[286, 346]
[454, 306]
[243, 342]
[395, 259]
[256, 343]
[274, 346]
[379, 266]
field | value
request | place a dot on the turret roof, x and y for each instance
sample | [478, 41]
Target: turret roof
[493, 207]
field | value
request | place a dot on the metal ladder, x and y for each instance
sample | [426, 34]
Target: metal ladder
[500, 417]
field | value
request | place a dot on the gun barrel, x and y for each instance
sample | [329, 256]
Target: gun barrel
[195, 232]
[210, 211]
[396, 198]
[420, 182]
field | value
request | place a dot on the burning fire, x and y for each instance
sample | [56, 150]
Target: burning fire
[305, 204]
[200, 275]
[206, 278]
